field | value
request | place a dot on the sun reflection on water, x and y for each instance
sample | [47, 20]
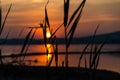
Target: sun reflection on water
[49, 48]
[42, 59]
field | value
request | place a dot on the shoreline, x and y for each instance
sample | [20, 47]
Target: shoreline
[56, 73]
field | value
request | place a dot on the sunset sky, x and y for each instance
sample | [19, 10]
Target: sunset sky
[28, 13]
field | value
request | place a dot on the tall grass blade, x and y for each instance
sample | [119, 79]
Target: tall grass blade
[46, 18]
[47, 3]
[1, 61]
[93, 62]
[97, 55]
[72, 30]
[85, 62]
[94, 57]
[91, 52]
[76, 11]
[6, 37]
[44, 32]
[54, 32]
[97, 61]
[0, 15]
[44, 35]
[50, 61]
[46, 24]
[66, 11]
[5, 19]
[29, 42]
[82, 54]
[21, 32]
[56, 55]
[26, 41]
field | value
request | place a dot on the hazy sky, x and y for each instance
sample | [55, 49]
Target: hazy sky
[26, 13]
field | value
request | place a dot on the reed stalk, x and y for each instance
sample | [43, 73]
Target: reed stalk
[29, 43]
[4, 21]
[2, 25]
[1, 61]
[0, 15]
[92, 45]
[74, 19]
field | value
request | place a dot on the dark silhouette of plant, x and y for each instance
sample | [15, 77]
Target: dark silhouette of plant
[4, 21]
[2, 25]
[71, 24]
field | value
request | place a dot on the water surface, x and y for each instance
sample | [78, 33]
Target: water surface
[107, 61]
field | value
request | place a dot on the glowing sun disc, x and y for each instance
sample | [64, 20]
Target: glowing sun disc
[48, 35]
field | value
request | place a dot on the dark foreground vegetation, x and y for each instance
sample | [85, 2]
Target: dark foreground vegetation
[8, 72]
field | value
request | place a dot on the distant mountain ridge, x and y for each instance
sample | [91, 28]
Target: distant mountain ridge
[113, 38]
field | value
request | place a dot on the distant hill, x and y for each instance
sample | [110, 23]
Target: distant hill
[113, 38]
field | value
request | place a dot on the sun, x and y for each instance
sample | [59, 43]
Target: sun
[48, 34]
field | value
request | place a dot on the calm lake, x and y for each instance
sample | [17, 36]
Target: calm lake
[107, 61]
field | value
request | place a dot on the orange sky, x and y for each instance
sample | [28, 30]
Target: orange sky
[26, 13]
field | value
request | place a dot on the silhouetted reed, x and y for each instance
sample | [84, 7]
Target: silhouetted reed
[26, 41]
[51, 40]
[71, 24]
[4, 21]
[95, 52]
[2, 25]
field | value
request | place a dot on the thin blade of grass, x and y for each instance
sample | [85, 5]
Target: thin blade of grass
[76, 11]
[0, 15]
[46, 24]
[26, 41]
[50, 61]
[1, 61]
[54, 32]
[85, 62]
[97, 61]
[56, 55]
[5, 19]
[91, 52]
[66, 11]
[72, 30]
[98, 52]
[29, 42]
[46, 18]
[94, 57]
[21, 32]
[44, 33]
[94, 60]
[82, 54]
[47, 3]
[6, 37]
